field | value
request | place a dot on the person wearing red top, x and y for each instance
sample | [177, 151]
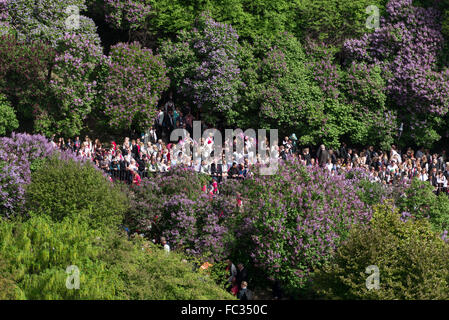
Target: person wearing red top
[136, 178]
[239, 202]
[215, 186]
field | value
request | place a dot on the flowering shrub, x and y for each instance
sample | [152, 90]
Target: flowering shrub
[203, 65]
[173, 205]
[284, 94]
[16, 155]
[326, 73]
[296, 219]
[4, 17]
[20, 156]
[23, 75]
[73, 83]
[129, 14]
[45, 20]
[135, 82]
[406, 47]
[61, 91]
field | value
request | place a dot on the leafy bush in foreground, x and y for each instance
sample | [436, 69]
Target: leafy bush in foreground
[413, 261]
[61, 187]
[38, 251]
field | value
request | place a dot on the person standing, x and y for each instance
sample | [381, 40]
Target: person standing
[307, 157]
[77, 145]
[322, 155]
[165, 244]
[232, 271]
[242, 274]
[245, 293]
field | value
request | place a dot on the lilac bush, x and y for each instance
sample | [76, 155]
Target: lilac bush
[173, 205]
[295, 219]
[45, 20]
[69, 79]
[23, 75]
[407, 47]
[75, 67]
[326, 73]
[16, 155]
[4, 16]
[21, 154]
[204, 65]
[128, 14]
[134, 84]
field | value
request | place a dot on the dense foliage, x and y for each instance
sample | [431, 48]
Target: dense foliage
[23, 77]
[17, 156]
[204, 67]
[406, 48]
[38, 251]
[62, 186]
[292, 221]
[8, 119]
[314, 68]
[134, 83]
[173, 205]
[412, 261]
[420, 202]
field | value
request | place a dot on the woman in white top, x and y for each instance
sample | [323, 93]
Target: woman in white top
[375, 177]
[163, 166]
[152, 166]
[423, 175]
[329, 165]
[441, 182]
[132, 165]
[204, 167]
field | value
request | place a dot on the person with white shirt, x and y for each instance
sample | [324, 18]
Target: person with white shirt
[392, 166]
[197, 165]
[165, 245]
[423, 175]
[329, 165]
[205, 168]
[441, 182]
[395, 155]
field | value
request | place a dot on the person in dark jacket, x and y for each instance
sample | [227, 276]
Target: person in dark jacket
[233, 171]
[306, 156]
[245, 293]
[322, 155]
[276, 290]
[242, 274]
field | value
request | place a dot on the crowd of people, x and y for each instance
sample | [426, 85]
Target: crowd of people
[137, 158]
[153, 152]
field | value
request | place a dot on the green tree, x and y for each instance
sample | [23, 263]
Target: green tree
[59, 187]
[413, 261]
[8, 120]
[134, 84]
[333, 21]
